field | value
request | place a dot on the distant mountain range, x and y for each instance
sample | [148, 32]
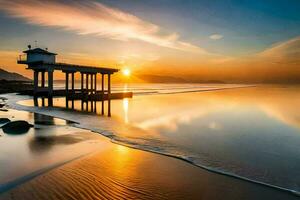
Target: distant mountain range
[9, 76]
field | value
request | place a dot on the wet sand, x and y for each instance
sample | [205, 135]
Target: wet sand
[118, 172]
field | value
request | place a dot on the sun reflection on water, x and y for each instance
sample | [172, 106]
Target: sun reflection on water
[125, 109]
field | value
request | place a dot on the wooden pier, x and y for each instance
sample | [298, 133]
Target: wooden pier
[43, 62]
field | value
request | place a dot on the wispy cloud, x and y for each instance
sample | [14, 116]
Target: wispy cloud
[284, 52]
[216, 36]
[90, 17]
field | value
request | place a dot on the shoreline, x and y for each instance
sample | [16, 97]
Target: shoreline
[189, 162]
[210, 169]
[109, 167]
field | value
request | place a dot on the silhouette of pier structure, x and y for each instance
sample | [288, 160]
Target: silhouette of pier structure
[43, 63]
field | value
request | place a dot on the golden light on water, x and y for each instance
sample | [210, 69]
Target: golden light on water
[125, 109]
[125, 88]
[126, 72]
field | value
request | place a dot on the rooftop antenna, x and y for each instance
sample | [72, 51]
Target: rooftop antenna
[35, 43]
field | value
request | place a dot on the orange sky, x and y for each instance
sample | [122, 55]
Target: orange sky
[95, 33]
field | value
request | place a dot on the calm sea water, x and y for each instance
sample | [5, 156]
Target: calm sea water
[252, 133]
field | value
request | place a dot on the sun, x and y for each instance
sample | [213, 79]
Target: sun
[126, 72]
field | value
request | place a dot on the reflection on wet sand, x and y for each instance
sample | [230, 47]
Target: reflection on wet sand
[42, 143]
[41, 119]
[44, 139]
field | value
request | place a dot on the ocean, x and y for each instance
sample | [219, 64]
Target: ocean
[247, 132]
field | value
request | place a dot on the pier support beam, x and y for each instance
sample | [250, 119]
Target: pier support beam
[73, 91]
[82, 91]
[73, 82]
[102, 92]
[50, 87]
[35, 86]
[87, 83]
[67, 89]
[92, 92]
[87, 91]
[95, 91]
[108, 94]
[95, 87]
[35, 81]
[43, 86]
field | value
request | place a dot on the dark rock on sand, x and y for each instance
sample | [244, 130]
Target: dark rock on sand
[3, 110]
[16, 127]
[3, 98]
[4, 120]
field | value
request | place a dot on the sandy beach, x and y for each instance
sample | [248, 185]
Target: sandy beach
[86, 165]
[118, 172]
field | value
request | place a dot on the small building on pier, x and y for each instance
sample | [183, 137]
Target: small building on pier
[41, 61]
[38, 54]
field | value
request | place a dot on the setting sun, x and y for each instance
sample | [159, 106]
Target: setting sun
[126, 72]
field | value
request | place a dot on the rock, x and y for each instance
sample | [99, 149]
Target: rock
[2, 105]
[16, 127]
[3, 110]
[4, 120]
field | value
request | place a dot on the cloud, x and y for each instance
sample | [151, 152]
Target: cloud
[90, 17]
[216, 36]
[287, 52]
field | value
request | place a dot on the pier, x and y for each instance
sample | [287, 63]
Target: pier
[43, 63]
